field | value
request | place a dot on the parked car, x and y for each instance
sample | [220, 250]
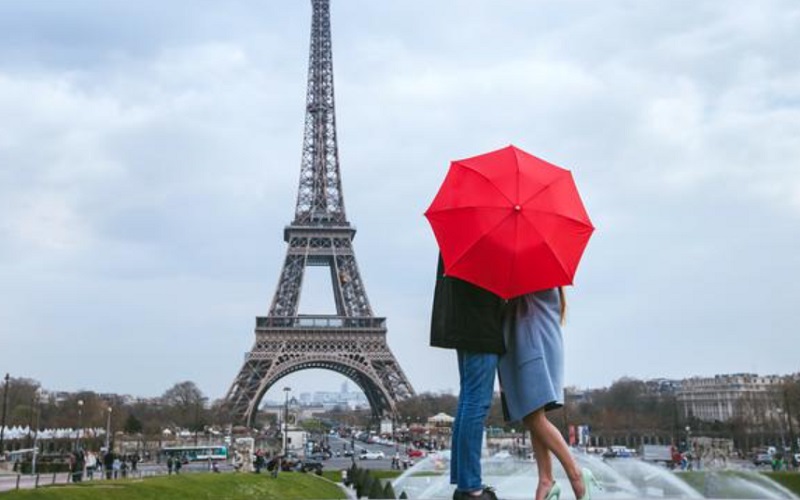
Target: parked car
[619, 452]
[371, 455]
[312, 466]
[762, 459]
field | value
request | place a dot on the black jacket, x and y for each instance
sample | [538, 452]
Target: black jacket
[465, 316]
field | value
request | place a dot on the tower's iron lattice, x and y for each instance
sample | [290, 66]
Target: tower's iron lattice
[352, 342]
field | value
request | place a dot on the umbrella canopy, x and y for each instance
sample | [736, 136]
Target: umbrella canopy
[510, 222]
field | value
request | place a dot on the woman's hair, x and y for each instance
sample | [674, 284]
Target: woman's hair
[562, 298]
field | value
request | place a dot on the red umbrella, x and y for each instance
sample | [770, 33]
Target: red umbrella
[509, 222]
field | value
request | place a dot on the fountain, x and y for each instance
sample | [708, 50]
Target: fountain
[622, 478]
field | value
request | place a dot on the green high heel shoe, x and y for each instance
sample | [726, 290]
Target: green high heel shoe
[554, 493]
[590, 484]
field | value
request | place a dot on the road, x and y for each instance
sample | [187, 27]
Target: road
[9, 481]
[338, 444]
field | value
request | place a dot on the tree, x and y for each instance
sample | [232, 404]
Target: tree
[132, 425]
[388, 490]
[363, 483]
[22, 393]
[186, 405]
[426, 405]
[375, 489]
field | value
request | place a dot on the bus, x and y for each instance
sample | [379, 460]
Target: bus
[195, 453]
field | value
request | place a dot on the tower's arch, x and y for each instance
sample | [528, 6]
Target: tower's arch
[381, 403]
[358, 352]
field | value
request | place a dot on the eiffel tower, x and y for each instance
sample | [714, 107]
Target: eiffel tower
[352, 342]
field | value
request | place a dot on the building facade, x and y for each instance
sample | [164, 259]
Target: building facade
[721, 398]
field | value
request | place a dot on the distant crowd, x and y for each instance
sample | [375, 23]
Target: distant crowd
[87, 463]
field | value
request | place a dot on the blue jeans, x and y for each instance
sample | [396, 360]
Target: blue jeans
[476, 372]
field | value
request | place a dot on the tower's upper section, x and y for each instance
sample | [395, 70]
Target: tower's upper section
[319, 199]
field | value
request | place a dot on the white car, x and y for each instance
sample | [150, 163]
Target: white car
[371, 455]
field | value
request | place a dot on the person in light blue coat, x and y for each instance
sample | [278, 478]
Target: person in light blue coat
[532, 382]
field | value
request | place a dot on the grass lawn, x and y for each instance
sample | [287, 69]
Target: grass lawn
[193, 486]
[697, 480]
[789, 480]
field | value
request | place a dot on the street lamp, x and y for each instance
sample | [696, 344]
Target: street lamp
[353, 446]
[286, 418]
[36, 435]
[5, 405]
[108, 430]
[780, 428]
[688, 438]
[80, 422]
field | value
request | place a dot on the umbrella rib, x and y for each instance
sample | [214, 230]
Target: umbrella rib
[485, 234]
[451, 209]
[514, 255]
[543, 189]
[491, 183]
[548, 247]
[565, 217]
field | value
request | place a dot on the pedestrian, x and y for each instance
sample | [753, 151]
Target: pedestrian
[178, 464]
[76, 463]
[469, 319]
[91, 464]
[531, 380]
[260, 461]
[116, 465]
[108, 463]
[676, 458]
[170, 465]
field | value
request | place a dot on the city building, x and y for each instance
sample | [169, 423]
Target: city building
[721, 398]
[344, 398]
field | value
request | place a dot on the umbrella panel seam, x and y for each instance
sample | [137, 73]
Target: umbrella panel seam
[586, 223]
[488, 180]
[549, 248]
[543, 189]
[484, 235]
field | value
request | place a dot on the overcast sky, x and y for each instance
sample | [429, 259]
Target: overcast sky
[150, 155]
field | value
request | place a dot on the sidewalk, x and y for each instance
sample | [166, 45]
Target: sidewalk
[26, 481]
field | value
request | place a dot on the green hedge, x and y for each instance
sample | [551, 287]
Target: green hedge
[44, 468]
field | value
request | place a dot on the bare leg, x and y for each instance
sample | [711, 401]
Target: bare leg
[544, 465]
[549, 437]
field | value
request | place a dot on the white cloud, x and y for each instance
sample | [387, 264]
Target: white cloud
[146, 173]
[45, 220]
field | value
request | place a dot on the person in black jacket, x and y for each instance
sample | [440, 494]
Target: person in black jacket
[469, 319]
[108, 463]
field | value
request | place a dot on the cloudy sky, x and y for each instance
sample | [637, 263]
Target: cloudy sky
[150, 153]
